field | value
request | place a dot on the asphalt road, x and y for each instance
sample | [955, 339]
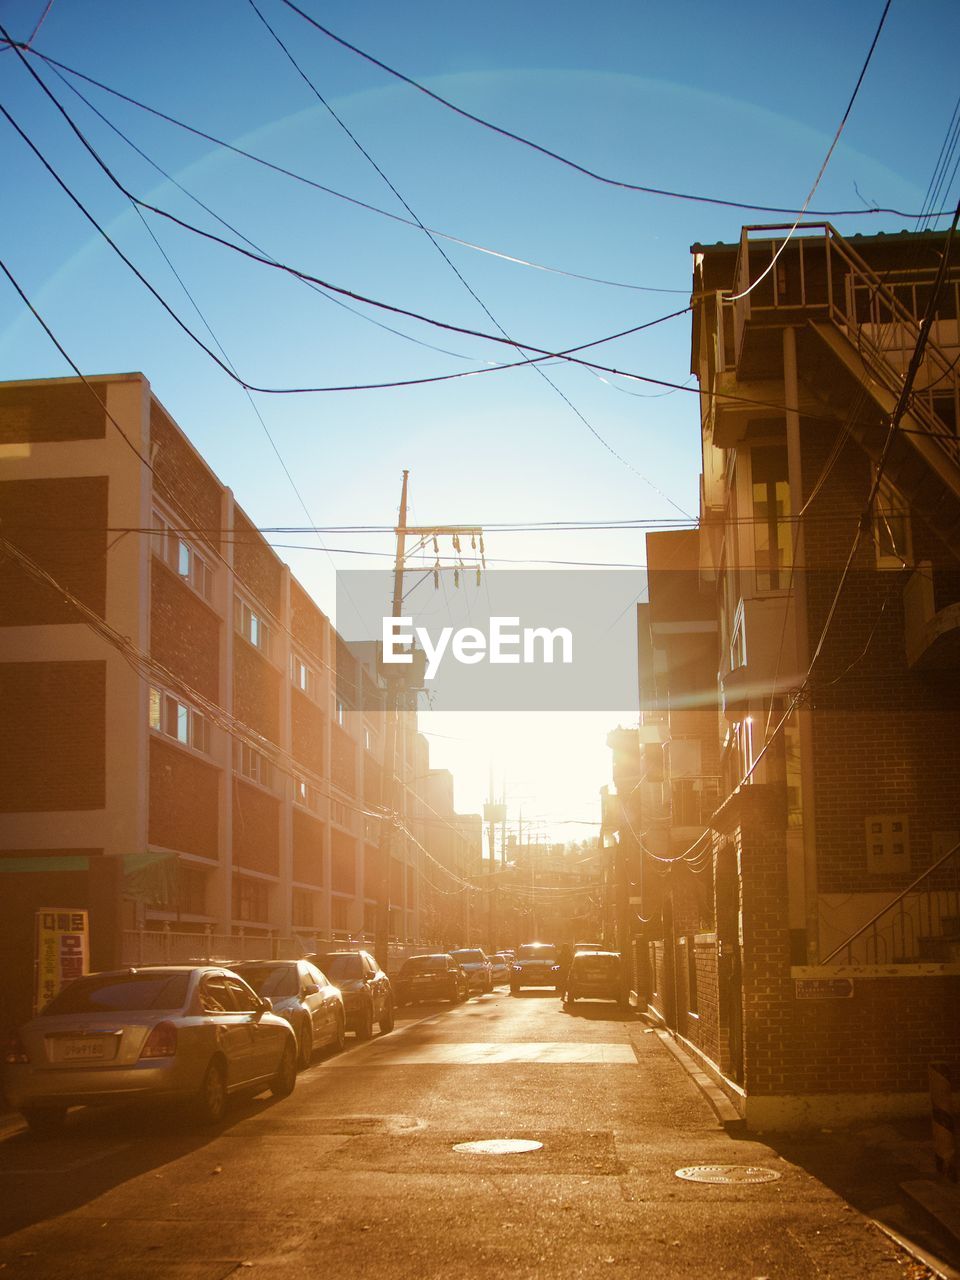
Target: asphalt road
[356, 1174]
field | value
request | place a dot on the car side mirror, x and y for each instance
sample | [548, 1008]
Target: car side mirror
[266, 1004]
[311, 989]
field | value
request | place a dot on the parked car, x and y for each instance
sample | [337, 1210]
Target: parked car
[304, 996]
[191, 1034]
[476, 966]
[537, 965]
[501, 963]
[594, 975]
[588, 946]
[431, 977]
[367, 993]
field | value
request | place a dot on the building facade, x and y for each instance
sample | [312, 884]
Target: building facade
[178, 757]
[803, 936]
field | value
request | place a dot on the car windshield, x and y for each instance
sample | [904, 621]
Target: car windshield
[113, 992]
[537, 951]
[468, 956]
[423, 964]
[272, 979]
[342, 966]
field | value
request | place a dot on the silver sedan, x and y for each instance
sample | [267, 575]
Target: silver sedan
[193, 1034]
[304, 996]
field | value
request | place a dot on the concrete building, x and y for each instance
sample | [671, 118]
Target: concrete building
[177, 756]
[804, 938]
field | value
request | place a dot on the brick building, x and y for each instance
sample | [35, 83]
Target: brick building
[193, 775]
[804, 938]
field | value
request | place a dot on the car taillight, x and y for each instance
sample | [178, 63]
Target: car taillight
[14, 1051]
[161, 1042]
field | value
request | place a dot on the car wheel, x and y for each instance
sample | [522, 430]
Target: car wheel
[282, 1084]
[365, 1025]
[46, 1122]
[305, 1045]
[340, 1038]
[387, 1019]
[211, 1101]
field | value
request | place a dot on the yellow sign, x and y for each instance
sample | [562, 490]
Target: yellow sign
[63, 951]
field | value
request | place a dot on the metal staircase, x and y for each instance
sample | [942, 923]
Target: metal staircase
[869, 324]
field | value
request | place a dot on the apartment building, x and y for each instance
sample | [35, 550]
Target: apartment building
[804, 937]
[177, 756]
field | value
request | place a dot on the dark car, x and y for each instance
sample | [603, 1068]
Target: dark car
[431, 977]
[537, 965]
[476, 965]
[367, 993]
[304, 996]
[594, 975]
[190, 1034]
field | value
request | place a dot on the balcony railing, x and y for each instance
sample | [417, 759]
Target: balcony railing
[922, 923]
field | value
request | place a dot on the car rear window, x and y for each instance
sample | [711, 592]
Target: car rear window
[272, 979]
[113, 993]
[594, 960]
[541, 952]
[423, 964]
[466, 956]
[342, 966]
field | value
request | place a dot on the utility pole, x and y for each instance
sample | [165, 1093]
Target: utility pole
[398, 682]
[492, 870]
[388, 784]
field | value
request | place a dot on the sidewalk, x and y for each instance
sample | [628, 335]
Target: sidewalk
[885, 1171]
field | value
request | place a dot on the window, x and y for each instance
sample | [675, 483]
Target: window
[243, 998]
[772, 531]
[371, 830]
[339, 912]
[170, 716]
[214, 997]
[339, 814]
[302, 909]
[251, 625]
[303, 677]
[306, 794]
[251, 899]
[191, 889]
[891, 528]
[888, 842]
[252, 764]
[182, 557]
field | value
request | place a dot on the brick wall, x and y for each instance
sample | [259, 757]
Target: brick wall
[34, 415]
[182, 474]
[257, 568]
[256, 829]
[343, 763]
[878, 726]
[184, 632]
[62, 525]
[52, 753]
[880, 1041]
[256, 690]
[343, 871]
[307, 623]
[184, 801]
[308, 727]
[307, 848]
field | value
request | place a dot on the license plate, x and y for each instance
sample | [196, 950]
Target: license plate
[84, 1050]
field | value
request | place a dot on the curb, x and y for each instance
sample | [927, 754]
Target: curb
[729, 1118]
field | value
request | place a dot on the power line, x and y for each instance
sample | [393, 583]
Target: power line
[456, 270]
[319, 186]
[573, 164]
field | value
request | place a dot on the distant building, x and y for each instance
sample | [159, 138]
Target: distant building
[193, 775]
[804, 936]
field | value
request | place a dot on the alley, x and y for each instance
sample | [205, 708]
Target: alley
[357, 1172]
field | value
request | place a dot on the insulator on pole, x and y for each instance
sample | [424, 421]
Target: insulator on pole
[456, 577]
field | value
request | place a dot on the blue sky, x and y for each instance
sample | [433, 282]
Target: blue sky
[738, 101]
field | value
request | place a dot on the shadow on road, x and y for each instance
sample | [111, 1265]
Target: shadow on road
[598, 1011]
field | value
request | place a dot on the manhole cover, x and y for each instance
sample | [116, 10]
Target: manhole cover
[498, 1146]
[727, 1173]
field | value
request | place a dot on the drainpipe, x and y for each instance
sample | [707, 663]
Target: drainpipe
[802, 906]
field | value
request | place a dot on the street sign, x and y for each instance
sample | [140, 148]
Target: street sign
[62, 951]
[824, 988]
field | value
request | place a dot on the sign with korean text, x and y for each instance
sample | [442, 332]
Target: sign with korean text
[824, 988]
[62, 950]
